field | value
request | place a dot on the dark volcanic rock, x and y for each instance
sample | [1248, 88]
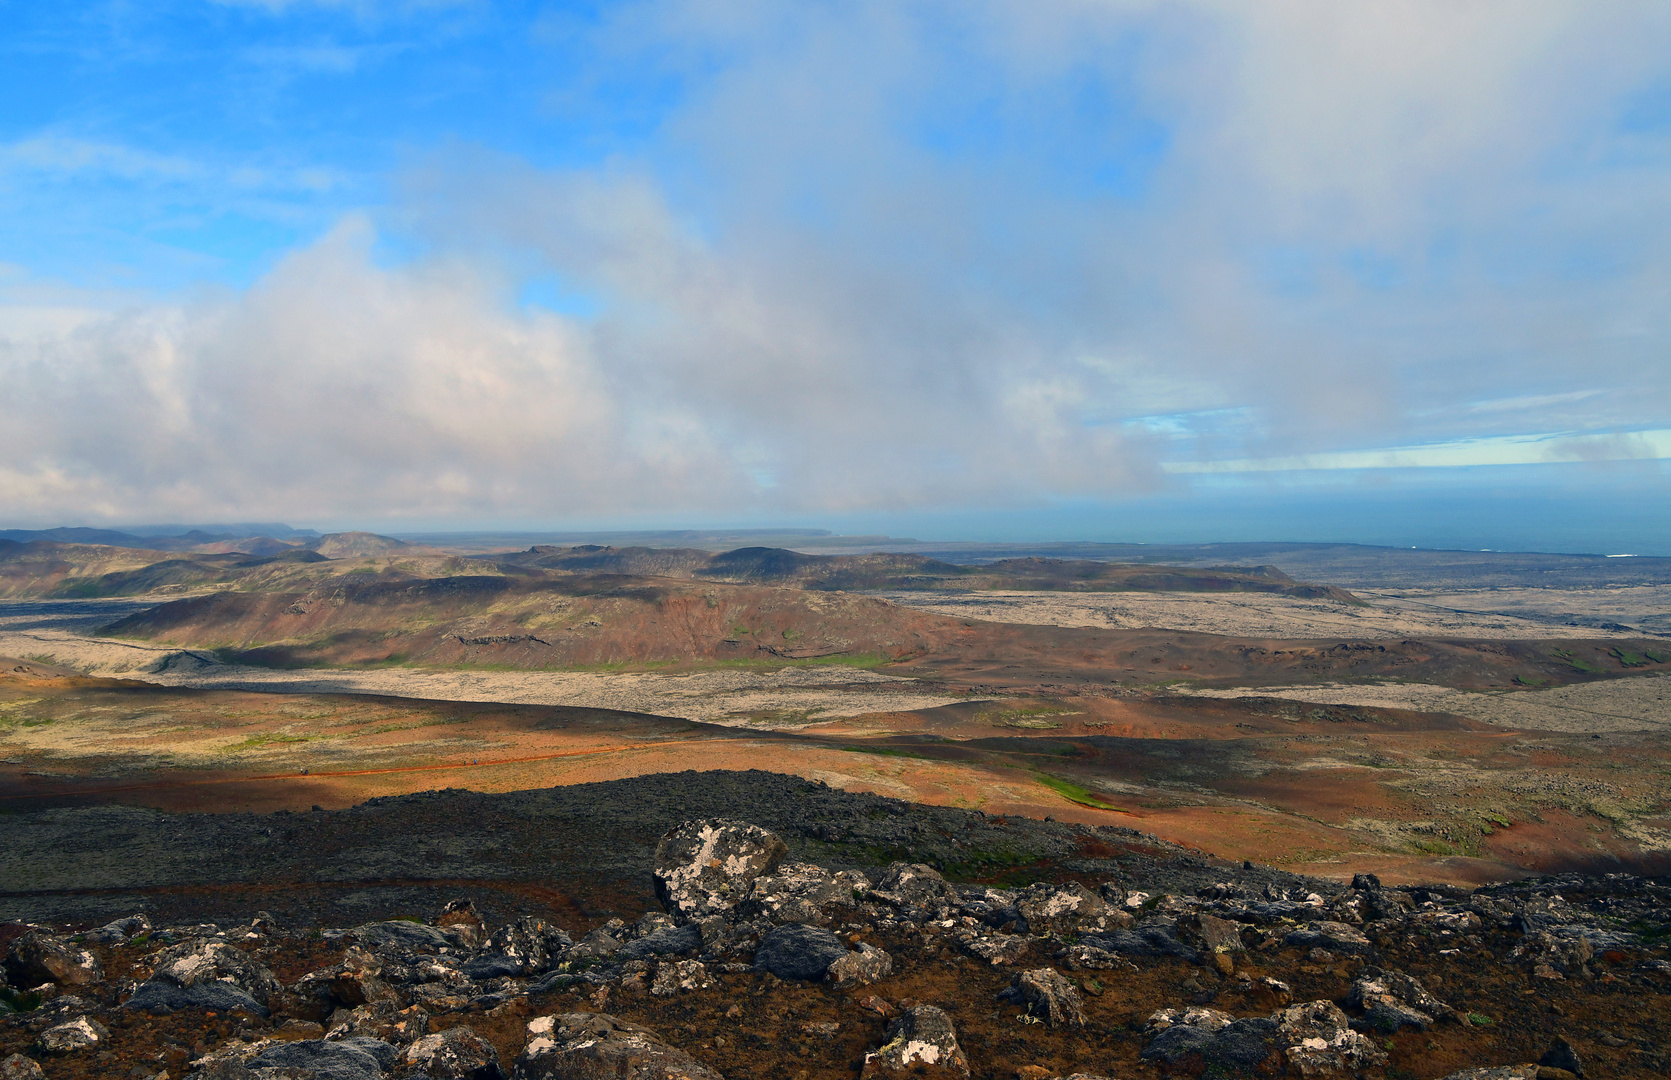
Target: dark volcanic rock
[798, 952]
[38, 957]
[319, 1059]
[597, 1046]
[708, 867]
[455, 1054]
[921, 1043]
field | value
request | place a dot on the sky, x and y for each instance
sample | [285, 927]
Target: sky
[1391, 272]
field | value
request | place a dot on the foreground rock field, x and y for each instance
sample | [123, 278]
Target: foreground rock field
[1134, 958]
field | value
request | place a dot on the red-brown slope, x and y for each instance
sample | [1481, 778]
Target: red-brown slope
[581, 620]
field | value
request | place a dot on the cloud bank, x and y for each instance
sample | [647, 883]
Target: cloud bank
[878, 255]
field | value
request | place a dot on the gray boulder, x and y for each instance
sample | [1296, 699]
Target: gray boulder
[597, 1046]
[1317, 1040]
[802, 893]
[1061, 910]
[861, 967]
[73, 1036]
[1392, 1000]
[319, 1059]
[667, 941]
[402, 935]
[531, 942]
[921, 1043]
[708, 867]
[1050, 996]
[37, 957]
[455, 1054]
[1334, 936]
[798, 952]
[1222, 1042]
[18, 1067]
[916, 888]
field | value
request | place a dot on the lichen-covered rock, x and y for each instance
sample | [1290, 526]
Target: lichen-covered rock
[802, 893]
[211, 974]
[921, 1043]
[348, 1059]
[680, 976]
[1223, 1043]
[708, 867]
[916, 888]
[1317, 1040]
[383, 1020]
[597, 1046]
[1091, 958]
[861, 967]
[72, 1036]
[458, 920]
[38, 957]
[798, 952]
[995, 949]
[1392, 999]
[1210, 933]
[531, 943]
[401, 935]
[1050, 996]
[18, 1067]
[1334, 936]
[665, 941]
[1499, 1072]
[1061, 910]
[114, 933]
[455, 1054]
[1552, 956]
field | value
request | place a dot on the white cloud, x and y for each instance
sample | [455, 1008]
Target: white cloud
[867, 263]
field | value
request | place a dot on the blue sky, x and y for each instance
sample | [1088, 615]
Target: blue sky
[1350, 271]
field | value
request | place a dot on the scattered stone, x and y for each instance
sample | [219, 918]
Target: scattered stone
[1049, 995]
[1224, 1043]
[532, 944]
[384, 1020]
[37, 957]
[455, 1054]
[458, 920]
[921, 1043]
[82, 1033]
[680, 976]
[1562, 1055]
[917, 889]
[1500, 1072]
[402, 935]
[18, 1067]
[707, 867]
[1392, 1000]
[1318, 1040]
[347, 1059]
[802, 893]
[119, 931]
[666, 941]
[584, 1045]
[1091, 958]
[995, 949]
[861, 967]
[1148, 939]
[1210, 933]
[1061, 910]
[1331, 936]
[798, 952]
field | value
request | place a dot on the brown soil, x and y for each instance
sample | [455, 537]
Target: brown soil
[1328, 789]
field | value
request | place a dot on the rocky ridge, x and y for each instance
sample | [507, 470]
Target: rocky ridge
[758, 965]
